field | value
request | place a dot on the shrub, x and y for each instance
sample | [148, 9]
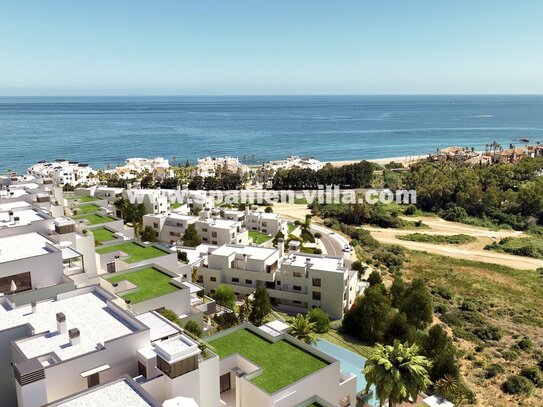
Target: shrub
[493, 370]
[525, 344]
[488, 333]
[534, 375]
[444, 292]
[468, 306]
[510, 354]
[182, 256]
[517, 385]
[440, 309]
[194, 328]
[225, 296]
[410, 210]
[321, 320]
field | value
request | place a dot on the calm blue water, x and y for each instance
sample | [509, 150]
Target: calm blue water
[108, 130]
[350, 362]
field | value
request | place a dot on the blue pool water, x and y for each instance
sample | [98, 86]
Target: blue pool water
[350, 362]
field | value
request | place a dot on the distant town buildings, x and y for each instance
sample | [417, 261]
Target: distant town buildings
[494, 153]
[63, 172]
[158, 167]
[208, 166]
[292, 162]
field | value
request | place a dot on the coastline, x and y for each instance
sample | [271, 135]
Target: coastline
[381, 161]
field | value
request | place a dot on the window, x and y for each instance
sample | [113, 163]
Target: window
[204, 239]
[316, 282]
[213, 242]
[296, 274]
[235, 280]
[278, 282]
[212, 291]
[297, 288]
[213, 279]
[155, 225]
[213, 234]
[204, 229]
[296, 302]
[250, 282]
[316, 295]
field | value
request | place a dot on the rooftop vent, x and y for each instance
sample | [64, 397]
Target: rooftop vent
[75, 336]
[61, 323]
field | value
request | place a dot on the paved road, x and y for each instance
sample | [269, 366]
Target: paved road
[333, 243]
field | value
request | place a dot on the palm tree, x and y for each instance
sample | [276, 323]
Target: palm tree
[245, 309]
[303, 329]
[450, 388]
[398, 372]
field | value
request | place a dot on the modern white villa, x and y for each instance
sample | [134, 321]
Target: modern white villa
[296, 282]
[63, 172]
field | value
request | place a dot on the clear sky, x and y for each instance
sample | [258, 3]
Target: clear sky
[118, 47]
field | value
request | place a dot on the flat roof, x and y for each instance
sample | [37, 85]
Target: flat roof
[22, 246]
[116, 394]
[160, 328]
[8, 206]
[221, 223]
[324, 263]
[181, 216]
[283, 363]
[87, 311]
[26, 216]
[254, 252]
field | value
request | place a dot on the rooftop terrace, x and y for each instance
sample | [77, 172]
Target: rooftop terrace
[134, 251]
[23, 246]
[102, 235]
[86, 209]
[94, 219]
[283, 363]
[151, 282]
[87, 311]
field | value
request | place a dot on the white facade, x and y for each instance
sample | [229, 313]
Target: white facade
[208, 166]
[220, 231]
[63, 172]
[292, 162]
[133, 167]
[170, 227]
[296, 283]
[268, 223]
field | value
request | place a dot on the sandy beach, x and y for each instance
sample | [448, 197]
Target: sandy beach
[381, 161]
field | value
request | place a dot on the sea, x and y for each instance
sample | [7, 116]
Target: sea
[105, 131]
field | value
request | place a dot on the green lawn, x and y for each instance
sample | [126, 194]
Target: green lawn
[83, 199]
[176, 205]
[94, 219]
[134, 251]
[151, 282]
[103, 235]
[437, 239]
[282, 362]
[86, 209]
[291, 227]
[258, 237]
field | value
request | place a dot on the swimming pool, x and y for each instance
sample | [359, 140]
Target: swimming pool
[350, 362]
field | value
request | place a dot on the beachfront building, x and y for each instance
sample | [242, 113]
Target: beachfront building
[218, 232]
[208, 166]
[158, 167]
[268, 223]
[295, 282]
[293, 162]
[273, 368]
[63, 172]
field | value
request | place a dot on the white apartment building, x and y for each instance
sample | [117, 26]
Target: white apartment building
[170, 227]
[159, 167]
[155, 201]
[296, 282]
[65, 344]
[208, 166]
[63, 172]
[269, 223]
[221, 231]
[292, 162]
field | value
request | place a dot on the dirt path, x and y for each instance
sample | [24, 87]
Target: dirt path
[292, 211]
[473, 251]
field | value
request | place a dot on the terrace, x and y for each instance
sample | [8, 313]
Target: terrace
[86, 209]
[102, 235]
[258, 237]
[282, 362]
[134, 252]
[150, 282]
[82, 199]
[94, 219]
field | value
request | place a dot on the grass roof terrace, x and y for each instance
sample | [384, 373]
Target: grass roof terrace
[283, 363]
[134, 251]
[82, 198]
[87, 208]
[151, 282]
[94, 219]
[102, 235]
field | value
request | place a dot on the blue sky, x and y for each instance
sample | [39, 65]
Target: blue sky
[118, 47]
